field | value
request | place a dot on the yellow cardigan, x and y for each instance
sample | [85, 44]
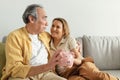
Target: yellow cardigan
[18, 53]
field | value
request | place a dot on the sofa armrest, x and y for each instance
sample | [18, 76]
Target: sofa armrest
[2, 57]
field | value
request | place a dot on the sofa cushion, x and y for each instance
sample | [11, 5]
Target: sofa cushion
[115, 73]
[2, 57]
[104, 50]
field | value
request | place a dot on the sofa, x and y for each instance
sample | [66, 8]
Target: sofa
[105, 50]
[2, 57]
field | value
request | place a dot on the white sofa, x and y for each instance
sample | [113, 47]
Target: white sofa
[105, 50]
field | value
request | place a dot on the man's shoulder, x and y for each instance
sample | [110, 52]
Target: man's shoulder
[16, 31]
[45, 35]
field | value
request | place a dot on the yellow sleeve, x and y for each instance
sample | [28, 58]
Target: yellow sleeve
[16, 66]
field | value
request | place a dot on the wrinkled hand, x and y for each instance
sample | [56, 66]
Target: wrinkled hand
[61, 58]
[54, 60]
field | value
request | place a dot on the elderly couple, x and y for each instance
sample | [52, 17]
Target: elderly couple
[33, 54]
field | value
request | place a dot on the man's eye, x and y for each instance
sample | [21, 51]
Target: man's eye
[44, 18]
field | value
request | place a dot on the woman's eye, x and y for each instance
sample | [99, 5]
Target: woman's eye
[52, 25]
[58, 27]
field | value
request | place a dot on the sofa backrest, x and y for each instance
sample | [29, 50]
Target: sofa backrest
[2, 57]
[104, 50]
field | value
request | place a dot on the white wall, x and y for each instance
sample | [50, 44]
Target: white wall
[90, 17]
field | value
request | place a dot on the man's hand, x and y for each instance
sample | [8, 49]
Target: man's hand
[55, 59]
[61, 58]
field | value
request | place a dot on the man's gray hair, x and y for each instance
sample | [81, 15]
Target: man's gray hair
[31, 10]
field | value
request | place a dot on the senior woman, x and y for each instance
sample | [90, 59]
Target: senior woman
[83, 68]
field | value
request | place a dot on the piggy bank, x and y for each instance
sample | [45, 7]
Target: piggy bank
[67, 59]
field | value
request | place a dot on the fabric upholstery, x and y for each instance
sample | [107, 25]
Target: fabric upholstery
[2, 57]
[104, 50]
[113, 72]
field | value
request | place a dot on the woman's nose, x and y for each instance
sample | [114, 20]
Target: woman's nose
[54, 28]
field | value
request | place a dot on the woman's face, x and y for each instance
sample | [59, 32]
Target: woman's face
[57, 29]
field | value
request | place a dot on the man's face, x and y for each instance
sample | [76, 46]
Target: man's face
[41, 23]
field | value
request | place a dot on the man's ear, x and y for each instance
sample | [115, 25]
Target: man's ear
[31, 19]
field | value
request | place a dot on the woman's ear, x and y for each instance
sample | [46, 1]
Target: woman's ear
[31, 19]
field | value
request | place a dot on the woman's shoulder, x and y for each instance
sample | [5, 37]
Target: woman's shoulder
[69, 37]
